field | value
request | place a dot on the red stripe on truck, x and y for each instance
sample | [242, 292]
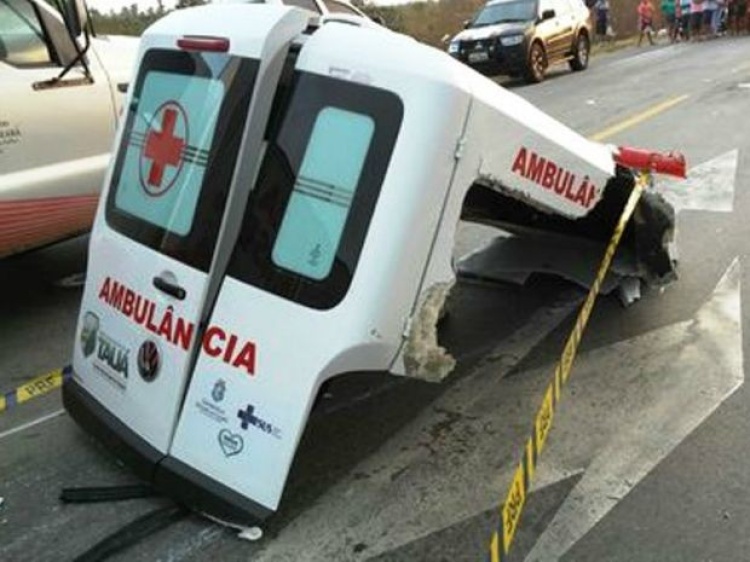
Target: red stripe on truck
[29, 223]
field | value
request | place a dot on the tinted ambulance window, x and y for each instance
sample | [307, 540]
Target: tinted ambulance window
[315, 216]
[178, 151]
[309, 213]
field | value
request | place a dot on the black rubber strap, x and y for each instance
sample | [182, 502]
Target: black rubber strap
[106, 494]
[131, 533]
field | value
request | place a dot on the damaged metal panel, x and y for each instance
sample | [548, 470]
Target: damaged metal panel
[648, 238]
[645, 254]
[424, 357]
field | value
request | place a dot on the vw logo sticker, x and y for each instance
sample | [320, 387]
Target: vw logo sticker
[149, 360]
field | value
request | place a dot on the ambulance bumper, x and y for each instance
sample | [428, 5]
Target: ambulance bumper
[167, 475]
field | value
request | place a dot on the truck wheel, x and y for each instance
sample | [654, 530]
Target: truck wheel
[537, 64]
[580, 58]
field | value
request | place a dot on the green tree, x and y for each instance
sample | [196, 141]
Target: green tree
[190, 3]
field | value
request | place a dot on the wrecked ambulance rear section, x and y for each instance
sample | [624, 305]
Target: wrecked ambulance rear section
[334, 252]
[525, 173]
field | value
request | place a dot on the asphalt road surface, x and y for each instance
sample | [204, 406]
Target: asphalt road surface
[648, 453]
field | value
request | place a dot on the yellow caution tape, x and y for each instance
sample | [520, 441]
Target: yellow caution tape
[33, 388]
[515, 498]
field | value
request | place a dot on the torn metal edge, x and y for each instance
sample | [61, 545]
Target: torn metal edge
[424, 357]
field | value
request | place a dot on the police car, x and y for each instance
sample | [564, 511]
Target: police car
[280, 211]
[60, 100]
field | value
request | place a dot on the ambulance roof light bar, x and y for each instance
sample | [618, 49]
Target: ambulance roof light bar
[203, 43]
[671, 164]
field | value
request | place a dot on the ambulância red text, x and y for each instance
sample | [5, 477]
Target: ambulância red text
[542, 171]
[216, 342]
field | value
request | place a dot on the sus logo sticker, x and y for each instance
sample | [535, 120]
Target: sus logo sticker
[248, 417]
[231, 444]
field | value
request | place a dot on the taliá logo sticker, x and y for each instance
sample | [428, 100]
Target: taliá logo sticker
[110, 357]
[231, 443]
[89, 332]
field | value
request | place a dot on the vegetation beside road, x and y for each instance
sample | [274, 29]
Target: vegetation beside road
[429, 21]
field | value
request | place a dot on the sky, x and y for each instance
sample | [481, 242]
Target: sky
[108, 5]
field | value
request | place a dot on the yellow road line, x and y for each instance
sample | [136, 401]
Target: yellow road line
[638, 118]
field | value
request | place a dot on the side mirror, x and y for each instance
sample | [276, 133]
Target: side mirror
[548, 14]
[467, 23]
[77, 16]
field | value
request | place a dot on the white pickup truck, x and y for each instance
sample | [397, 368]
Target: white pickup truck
[56, 126]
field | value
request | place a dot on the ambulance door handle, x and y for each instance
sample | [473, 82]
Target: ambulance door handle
[172, 289]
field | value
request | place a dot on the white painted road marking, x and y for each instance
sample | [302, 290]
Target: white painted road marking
[708, 187]
[629, 404]
[32, 423]
[661, 401]
[437, 470]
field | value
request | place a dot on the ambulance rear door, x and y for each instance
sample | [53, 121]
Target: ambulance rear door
[282, 315]
[162, 220]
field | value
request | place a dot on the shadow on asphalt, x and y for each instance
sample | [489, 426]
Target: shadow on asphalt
[362, 411]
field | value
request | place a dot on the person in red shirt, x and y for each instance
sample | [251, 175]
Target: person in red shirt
[646, 21]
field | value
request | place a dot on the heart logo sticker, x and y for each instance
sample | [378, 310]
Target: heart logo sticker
[231, 444]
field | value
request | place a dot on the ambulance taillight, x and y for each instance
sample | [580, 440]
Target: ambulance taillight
[202, 43]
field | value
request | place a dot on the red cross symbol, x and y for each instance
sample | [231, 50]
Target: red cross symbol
[163, 148]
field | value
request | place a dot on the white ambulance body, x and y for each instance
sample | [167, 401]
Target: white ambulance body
[282, 210]
[55, 141]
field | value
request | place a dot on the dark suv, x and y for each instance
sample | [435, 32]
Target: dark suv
[524, 37]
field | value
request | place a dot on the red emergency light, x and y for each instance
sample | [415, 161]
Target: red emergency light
[203, 43]
[671, 163]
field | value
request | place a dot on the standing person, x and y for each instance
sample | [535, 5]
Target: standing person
[602, 18]
[668, 9]
[696, 19]
[709, 9]
[736, 17]
[685, 19]
[717, 17]
[646, 21]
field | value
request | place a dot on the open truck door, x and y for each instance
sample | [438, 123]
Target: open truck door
[282, 210]
[55, 135]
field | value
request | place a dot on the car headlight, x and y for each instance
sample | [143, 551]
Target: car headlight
[453, 47]
[511, 40]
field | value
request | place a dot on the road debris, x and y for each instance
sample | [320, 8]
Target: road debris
[251, 534]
